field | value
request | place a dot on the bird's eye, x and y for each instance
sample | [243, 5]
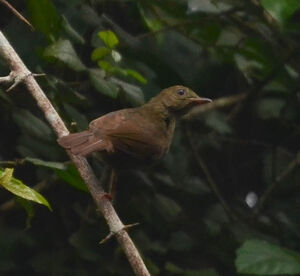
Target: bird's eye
[180, 92]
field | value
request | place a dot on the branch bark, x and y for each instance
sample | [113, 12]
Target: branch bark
[16, 13]
[20, 73]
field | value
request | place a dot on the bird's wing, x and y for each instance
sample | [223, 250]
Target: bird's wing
[83, 143]
[129, 131]
[74, 139]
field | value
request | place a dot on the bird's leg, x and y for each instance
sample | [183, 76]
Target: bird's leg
[104, 175]
[109, 176]
[112, 183]
[106, 178]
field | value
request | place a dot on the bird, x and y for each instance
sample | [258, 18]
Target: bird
[134, 137]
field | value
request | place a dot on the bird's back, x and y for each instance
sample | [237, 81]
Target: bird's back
[125, 138]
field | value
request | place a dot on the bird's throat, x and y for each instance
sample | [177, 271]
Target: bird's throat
[160, 111]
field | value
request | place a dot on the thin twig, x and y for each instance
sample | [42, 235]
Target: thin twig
[215, 104]
[289, 168]
[16, 13]
[11, 164]
[94, 186]
[269, 19]
[247, 142]
[209, 177]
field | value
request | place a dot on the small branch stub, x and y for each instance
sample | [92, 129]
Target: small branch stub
[9, 78]
[17, 77]
[112, 233]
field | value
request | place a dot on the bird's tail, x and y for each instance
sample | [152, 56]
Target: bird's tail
[81, 143]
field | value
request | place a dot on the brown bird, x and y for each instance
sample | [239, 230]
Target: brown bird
[134, 137]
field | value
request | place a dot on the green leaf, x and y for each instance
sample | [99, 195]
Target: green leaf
[167, 207]
[281, 10]
[207, 6]
[207, 33]
[217, 121]
[4, 97]
[63, 51]
[133, 93]
[71, 32]
[38, 148]
[229, 36]
[109, 38]
[173, 269]
[269, 108]
[100, 53]
[195, 185]
[256, 59]
[202, 272]
[136, 75]
[6, 175]
[151, 21]
[17, 187]
[106, 66]
[32, 125]
[263, 258]
[72, 177]
[181, 241]
[47, 164]
[153, 268]
[45, 18]
[105, 87]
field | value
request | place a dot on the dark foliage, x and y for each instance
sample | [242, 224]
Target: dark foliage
[232, 173]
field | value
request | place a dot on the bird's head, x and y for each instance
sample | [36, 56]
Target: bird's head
[179, 98]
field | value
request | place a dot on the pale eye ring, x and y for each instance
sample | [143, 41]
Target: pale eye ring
[181, 92]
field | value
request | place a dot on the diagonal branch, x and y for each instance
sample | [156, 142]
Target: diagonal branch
[20, 16]
[288, 170]
[18, 68]
[210, 179]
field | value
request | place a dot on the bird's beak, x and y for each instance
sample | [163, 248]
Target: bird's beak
[200, 100]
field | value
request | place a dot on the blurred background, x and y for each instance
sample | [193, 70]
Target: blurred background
[224, 201]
